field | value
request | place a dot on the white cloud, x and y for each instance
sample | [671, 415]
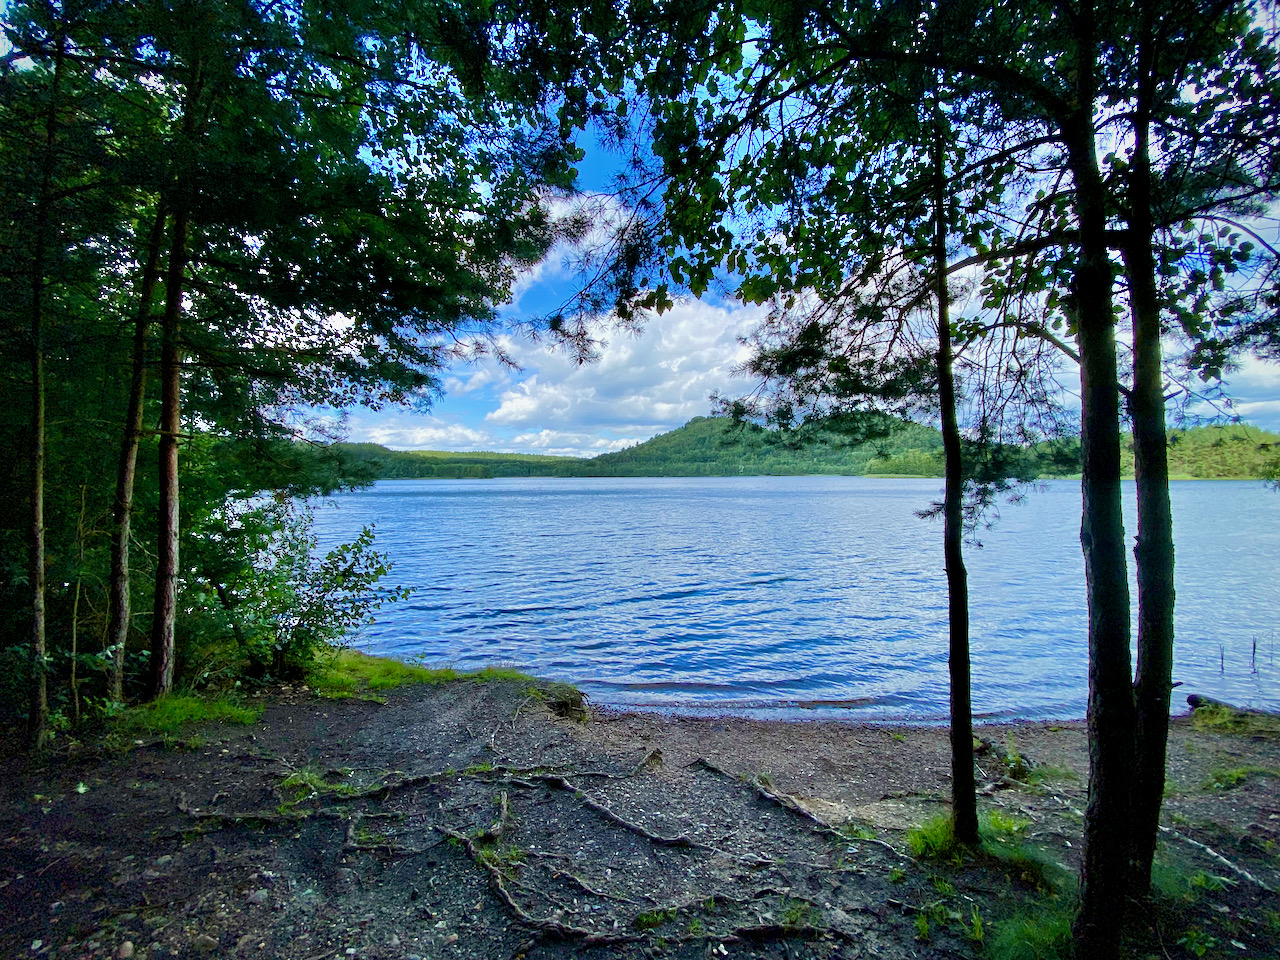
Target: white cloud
[409, 432]
[653, 380]
[489, 373]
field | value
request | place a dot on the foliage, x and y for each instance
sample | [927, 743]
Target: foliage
[319, 212]
[172, 713]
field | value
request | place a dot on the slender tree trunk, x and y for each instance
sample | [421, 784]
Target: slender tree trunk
[119, 599]
[964, 804]
[38, 712]
[166, 594]
[1111, 719]
[1154, 551]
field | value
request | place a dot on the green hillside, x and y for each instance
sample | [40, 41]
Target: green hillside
[717, 447]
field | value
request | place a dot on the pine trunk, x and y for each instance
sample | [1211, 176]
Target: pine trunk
[1154, 551]
[1111, 716]
[964, 803]
[166, 595]
[38, 711]
[122, 510]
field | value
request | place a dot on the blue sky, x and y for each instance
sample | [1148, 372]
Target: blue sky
[643, 384]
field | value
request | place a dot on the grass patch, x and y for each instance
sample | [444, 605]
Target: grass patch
[935, 839]
[506, 860]
[1042, 933]
[1226, 778]
[652, 919]
[348, 673]
[1220, 718]
[172, 713]
[312, 783]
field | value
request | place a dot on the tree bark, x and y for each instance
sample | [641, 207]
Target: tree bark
[1154, 552]
[38, 710]
[165, 607]
[119, 599]
[964, 804]
[1111, 716]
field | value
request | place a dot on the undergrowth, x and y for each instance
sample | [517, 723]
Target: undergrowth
[170, 714]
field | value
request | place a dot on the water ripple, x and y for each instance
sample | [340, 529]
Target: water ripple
[794, 596]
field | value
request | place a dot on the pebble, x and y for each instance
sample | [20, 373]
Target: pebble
[394, 941]
[451, 939]
[204, 942]
[258, 896]
[125, 950]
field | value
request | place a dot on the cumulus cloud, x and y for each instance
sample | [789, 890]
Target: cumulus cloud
[415, 432]
[654, 380]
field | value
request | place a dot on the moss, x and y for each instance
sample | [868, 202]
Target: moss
[172, 713]
[350, 673]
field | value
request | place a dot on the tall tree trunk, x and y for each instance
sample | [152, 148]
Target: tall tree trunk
[119, 599]
[166, 595]
[1154, 551]
[964, 805]
[1111, 716]
[38, 711]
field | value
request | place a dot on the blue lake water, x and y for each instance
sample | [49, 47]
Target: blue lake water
[796, 596]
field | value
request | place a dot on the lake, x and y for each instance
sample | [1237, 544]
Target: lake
[796, 596]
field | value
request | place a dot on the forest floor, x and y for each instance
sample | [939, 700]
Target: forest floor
[469, 820]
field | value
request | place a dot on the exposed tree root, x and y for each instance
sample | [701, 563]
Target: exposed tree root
[545, 926]
[561, 783]
[585, 887]
[1234, 868]
[496, 829]
[787, 802]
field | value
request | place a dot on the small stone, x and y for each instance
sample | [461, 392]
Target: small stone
[412, 956]
[204, 942]
[451, 939]
[36, 945]
[394, 941]
[257, 897]
[151, 873]
[125, 950]
[163, 861]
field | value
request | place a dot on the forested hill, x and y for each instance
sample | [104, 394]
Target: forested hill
[716, 447]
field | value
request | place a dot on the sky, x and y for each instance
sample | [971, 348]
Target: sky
[642, 385]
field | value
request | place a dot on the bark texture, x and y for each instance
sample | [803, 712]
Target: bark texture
[165, 607]
[122, 508]
[1154, 552]
[964, 804]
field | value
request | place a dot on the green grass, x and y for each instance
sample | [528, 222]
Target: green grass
[1041, 933]
[1214, 718]
[349, 673]
[935, 839]
[172, 713]
[1226, 778]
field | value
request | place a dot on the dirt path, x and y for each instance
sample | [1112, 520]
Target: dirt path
[468, 821]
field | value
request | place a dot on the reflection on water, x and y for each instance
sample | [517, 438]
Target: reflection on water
[808, 596]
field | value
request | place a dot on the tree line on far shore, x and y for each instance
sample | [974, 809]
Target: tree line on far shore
[718, 447]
